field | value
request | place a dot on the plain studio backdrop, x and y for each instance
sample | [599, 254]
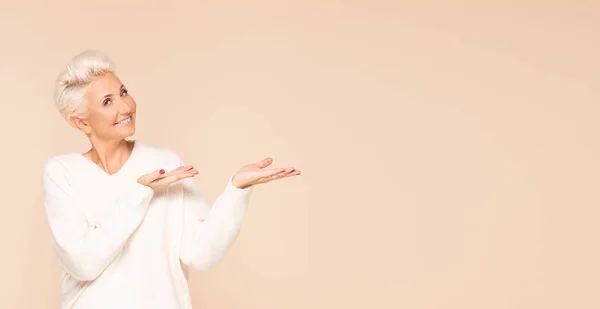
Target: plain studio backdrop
[449, 150]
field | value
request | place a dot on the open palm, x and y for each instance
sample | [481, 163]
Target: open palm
[257, 173]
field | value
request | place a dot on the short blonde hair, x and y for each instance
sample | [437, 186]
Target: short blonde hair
[73, 83]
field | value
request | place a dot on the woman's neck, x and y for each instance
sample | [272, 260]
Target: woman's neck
[110, 156]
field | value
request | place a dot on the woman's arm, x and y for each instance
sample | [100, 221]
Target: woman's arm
[86, 243]
[209, 231]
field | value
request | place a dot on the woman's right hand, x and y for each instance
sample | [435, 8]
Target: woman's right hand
[159, 179]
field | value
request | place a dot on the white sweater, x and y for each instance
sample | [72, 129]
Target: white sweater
[122, 245]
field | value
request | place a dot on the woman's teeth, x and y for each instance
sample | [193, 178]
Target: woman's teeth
[124, 121]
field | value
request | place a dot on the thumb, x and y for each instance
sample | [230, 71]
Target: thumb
[265, 162]
[155, 175]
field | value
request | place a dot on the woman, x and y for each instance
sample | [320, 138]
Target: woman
[126, 218]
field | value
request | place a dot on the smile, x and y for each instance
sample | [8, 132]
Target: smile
[125, 121]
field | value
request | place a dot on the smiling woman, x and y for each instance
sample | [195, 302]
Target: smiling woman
[126, 218]
[94, 100]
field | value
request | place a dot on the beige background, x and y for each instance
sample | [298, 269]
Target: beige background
[449, 150]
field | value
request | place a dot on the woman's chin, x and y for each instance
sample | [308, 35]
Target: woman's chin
[126, 131]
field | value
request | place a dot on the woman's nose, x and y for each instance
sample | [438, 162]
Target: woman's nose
[124, 107]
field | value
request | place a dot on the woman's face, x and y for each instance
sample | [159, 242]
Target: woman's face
[111, 110]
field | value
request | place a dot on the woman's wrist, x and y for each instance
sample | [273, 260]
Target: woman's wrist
[236, 182]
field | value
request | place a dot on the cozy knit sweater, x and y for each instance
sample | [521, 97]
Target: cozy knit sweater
[121, 244]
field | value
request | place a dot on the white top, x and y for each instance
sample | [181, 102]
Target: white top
[122, 245]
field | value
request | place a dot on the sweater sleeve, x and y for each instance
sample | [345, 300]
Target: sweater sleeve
[86, 241]
[209, 231]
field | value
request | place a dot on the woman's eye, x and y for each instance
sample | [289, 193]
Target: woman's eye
[107, 102]
[124, 93]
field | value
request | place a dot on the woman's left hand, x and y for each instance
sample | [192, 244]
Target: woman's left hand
[255, 173]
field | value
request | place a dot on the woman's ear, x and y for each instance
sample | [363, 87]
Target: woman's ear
[80, 124]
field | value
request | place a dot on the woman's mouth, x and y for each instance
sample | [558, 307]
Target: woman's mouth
[124, 122]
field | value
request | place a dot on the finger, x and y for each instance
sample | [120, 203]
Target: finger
[273, 172]
[264, 163]
[177, 170]
[293, 173]
[185, 175]
[177, 177]
[286, 174]
[185, 170]
[156, 175]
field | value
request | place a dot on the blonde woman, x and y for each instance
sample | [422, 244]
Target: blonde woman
[126, 218]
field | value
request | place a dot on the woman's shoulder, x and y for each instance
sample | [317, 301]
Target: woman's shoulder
[144, 155]
[61, 162]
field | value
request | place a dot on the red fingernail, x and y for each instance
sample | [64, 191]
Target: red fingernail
[162, 171]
